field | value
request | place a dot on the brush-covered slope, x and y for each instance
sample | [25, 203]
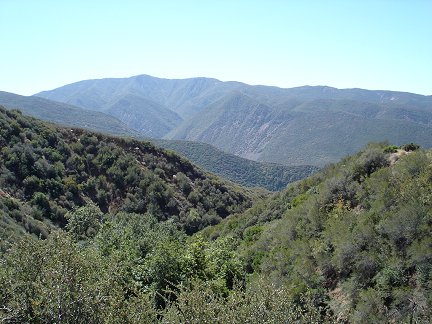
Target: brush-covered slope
[351, 244]
[356, 236]
[65, 114]
[248, 173]
[47, 171]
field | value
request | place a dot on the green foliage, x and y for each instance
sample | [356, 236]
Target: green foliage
[84, 222]
[391, 149]
[350, 244]
[263, 302]
[51, 172]
[51, 281]
[354, 236]
[242, 171]
[59, 280]
[410, 147]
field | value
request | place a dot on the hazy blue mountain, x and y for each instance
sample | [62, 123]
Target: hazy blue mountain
[243, 171]
[139, 101]
[303, 125]
[185, 97]
[148, 117]
[66, 114]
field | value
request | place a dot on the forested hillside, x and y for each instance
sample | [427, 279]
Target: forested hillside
[248, 173]
[94, 229]
[47, 172]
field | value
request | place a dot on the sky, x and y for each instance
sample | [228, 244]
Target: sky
[377, 44]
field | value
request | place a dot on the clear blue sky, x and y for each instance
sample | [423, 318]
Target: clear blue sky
[372, 44]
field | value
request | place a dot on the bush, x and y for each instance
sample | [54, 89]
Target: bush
[369, 161]
[391, 149]
[410, 147]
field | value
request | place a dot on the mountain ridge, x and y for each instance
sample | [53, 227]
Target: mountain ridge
[65, 114]
[277, 132]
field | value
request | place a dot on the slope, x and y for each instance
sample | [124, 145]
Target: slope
[245, 172]
[147, 117]
[47, 171]
[329, 135]
[316, 132]
[355, 236]
[237, 124]
[66, 114]
[159, 96]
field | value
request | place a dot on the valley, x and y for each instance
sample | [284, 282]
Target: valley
[93, 200]
[227, 162]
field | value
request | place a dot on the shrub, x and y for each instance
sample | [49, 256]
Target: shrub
[410, 147]
[391, 149]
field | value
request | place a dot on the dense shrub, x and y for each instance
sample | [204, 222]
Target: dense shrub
[52, 171]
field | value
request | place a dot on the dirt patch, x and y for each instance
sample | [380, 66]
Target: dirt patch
[394, 157]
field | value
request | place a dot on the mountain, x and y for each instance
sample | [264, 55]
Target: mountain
[157, 101]
[248, 173]
[184, 97]
[313, 132]
[147, 117]
[65, 114]
[47, 172]
[296, 126]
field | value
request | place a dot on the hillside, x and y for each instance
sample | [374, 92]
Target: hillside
[296, 126]
[356, 236]
[248, 173]
[351, 244]
[65, 114]
[147, 117]
[315, 132]
[47, 171]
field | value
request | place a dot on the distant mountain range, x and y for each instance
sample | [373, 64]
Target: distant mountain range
[296, 126]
